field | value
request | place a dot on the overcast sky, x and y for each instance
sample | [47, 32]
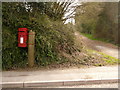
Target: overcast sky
[71, 20]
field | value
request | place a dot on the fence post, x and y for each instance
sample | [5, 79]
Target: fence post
[31, 48]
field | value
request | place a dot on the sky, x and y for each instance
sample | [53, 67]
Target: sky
[72, 8]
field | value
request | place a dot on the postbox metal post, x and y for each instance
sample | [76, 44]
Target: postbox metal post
[31, 48]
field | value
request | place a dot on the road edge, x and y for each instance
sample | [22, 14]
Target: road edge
[34, 84]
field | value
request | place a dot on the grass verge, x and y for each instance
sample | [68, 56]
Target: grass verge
[107, 60]
[90, 36]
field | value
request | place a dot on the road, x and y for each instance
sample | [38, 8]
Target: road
[104, 47]
[104, 72]
[112, 85]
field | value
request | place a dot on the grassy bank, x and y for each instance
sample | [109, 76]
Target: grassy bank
[104, 58]
[90, 36]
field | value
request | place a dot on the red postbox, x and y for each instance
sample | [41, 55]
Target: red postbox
[22, 37]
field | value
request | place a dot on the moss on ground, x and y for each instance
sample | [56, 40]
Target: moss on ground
[110, 59]
[107, 60]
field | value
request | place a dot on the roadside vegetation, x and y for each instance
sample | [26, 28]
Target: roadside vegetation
[56, 43]
[105, 59]
[53, 37]
[90, 36]
[98, 21]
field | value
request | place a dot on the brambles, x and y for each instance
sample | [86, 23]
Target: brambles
[52, 36]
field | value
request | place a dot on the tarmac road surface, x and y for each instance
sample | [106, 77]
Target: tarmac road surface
[111, 85]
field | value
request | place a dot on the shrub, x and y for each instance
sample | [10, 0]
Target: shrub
[51, 38]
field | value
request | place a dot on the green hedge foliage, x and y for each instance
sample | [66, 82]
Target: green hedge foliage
[51, 37]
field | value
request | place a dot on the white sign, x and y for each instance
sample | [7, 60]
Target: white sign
[21, 40]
